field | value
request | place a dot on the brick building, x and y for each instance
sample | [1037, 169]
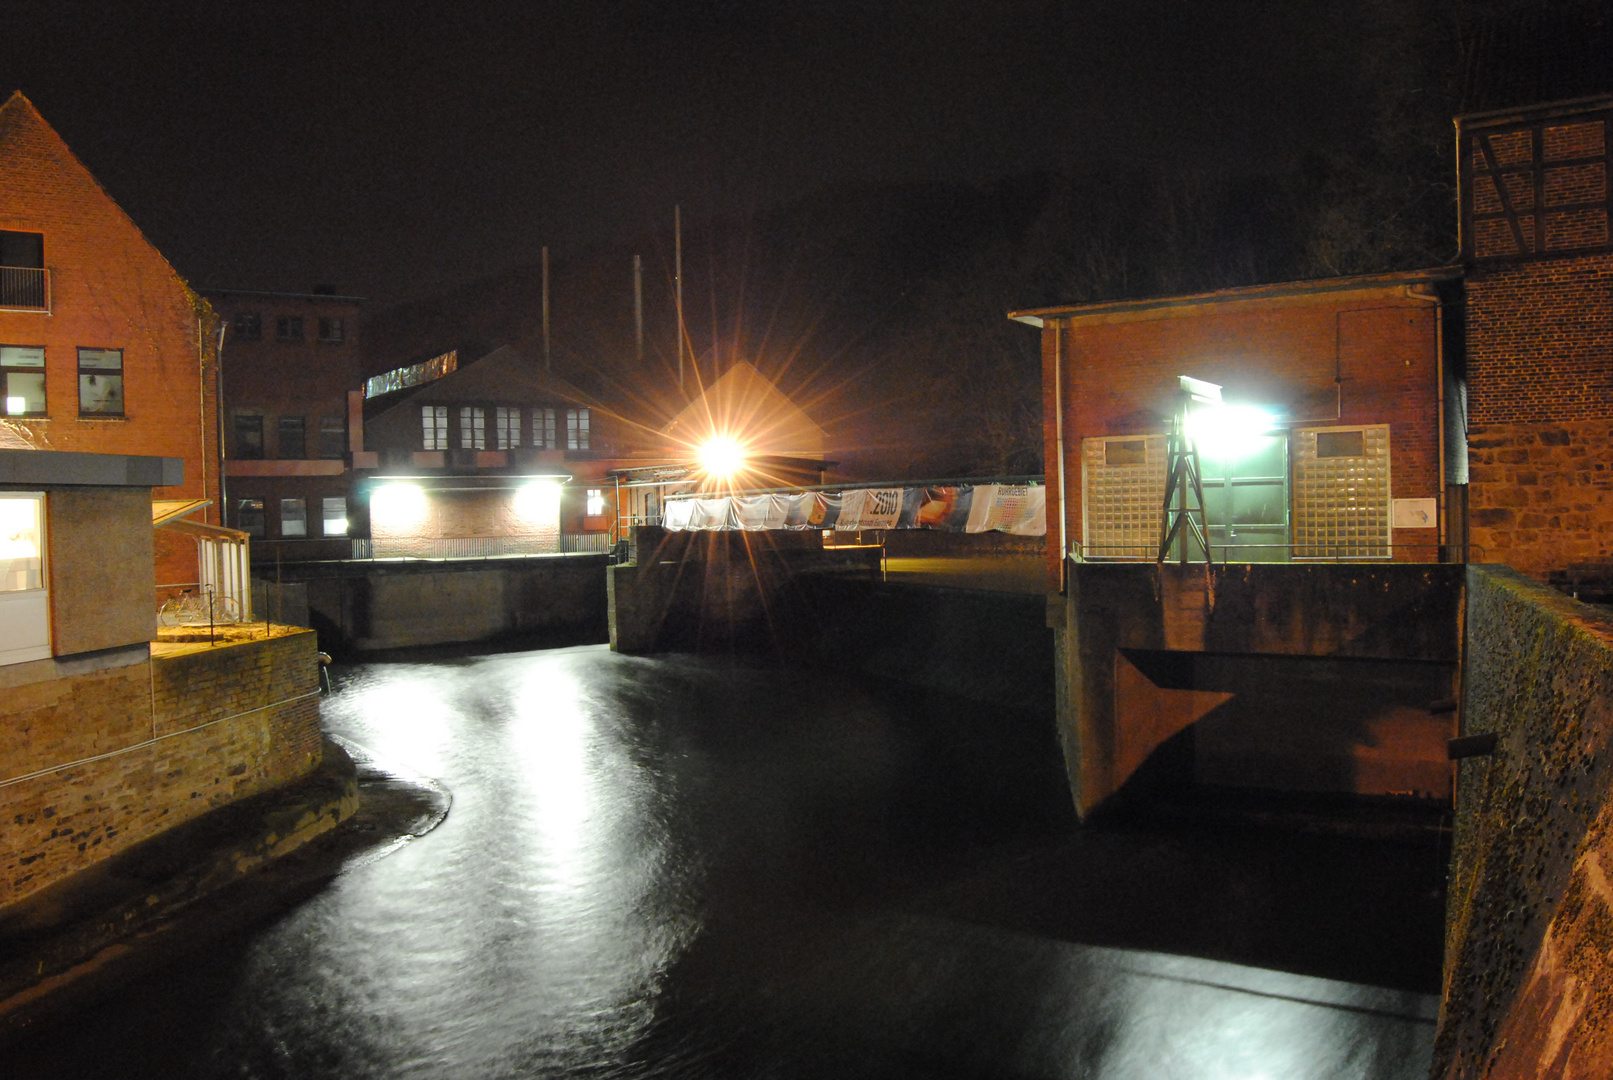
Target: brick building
[496, 457]
[1539, 261]
[290, 363]
[103, 348]
[1335, 440]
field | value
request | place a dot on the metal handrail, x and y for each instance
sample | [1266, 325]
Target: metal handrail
[1147, 552]
[24, 288]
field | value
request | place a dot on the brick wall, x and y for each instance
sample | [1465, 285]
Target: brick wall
[1541, 494]
[109, 288]
[195, 728]
[1368, 357]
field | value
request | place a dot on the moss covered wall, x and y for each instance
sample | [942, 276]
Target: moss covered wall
[1529, 938]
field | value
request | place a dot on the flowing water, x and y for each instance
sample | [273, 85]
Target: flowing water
[675, 867]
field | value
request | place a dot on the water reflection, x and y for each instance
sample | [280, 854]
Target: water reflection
[666, 868]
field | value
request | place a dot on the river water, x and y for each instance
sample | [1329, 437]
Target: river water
[680, 867]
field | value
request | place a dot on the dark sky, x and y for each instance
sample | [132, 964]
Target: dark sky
[396, 149]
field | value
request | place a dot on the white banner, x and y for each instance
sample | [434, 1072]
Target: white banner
[1020, 509]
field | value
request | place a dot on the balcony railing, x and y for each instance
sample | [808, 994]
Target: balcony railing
[24, 287]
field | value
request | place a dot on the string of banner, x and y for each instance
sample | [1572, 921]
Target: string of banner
[970, 508]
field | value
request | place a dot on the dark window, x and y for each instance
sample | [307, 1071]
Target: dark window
[1331, 444]
[248, 436]
[249, 516]
[288, 328]
[100, 382]
[1129, 452]
[332, 437]
[248, 326]
[22, 380]
[22, 249]
[293, 438]
[22, 270]
[330, 329]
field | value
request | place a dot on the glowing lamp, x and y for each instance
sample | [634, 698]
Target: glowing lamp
[1228, 431]
[722, 456]
[537, 504]
[16, 406]
[394, 506]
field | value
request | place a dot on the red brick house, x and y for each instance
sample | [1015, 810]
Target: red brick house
[1345, 381]
[290, 362]
[1539, 260]
[103, 348]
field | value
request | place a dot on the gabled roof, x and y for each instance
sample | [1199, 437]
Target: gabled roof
[744, 404]
[20, 125]
[506, 375]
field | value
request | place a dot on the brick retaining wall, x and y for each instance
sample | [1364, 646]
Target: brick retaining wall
[1541, 494]
[197, 727]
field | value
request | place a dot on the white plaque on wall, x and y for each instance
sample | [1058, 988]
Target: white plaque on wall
[1415, 513]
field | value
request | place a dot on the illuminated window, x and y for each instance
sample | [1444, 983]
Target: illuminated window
[24, 595]
[247, 325]
[333, 521]
[248, 437]
[288, 328]
[596, 502]
[1341, 498]
[100, 382]
[434, 427]
[293, 438]
[472, 427]
[332, 437]
[576, 429]
[330, 330]
[293, 517]
[249, 516]
[22, 371]
[1122, 490]
[507, 427]
[543, 429]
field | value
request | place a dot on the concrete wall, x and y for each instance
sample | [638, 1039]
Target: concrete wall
[363, 606]
[97, 759]
[1298, 677]
[101, 586]
[1529, 938]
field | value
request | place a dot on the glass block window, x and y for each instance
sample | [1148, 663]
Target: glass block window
[1341, 492]
[507, 427]
[1122, 490]
[434, 427]
[472, 427]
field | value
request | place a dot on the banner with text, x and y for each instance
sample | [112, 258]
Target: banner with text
[1020, 509]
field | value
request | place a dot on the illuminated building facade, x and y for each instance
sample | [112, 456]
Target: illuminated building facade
[1336, 438]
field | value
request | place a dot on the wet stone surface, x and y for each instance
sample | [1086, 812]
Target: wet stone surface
[673, 867]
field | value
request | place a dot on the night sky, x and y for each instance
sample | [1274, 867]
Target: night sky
[395, 150]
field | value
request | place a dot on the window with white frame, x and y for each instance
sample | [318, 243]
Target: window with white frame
[434, 427]
[595, 502]
[22, 371]
[24, 592]
[472, 427]
[543, 429]
[576, 429]
[507, 427]
[100, 382]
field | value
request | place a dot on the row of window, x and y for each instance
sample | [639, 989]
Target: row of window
[512, 427]
[100, 381]
[293, 521]
[248, 326]
[292, 441]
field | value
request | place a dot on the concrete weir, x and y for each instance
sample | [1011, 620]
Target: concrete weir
[1325, 678]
